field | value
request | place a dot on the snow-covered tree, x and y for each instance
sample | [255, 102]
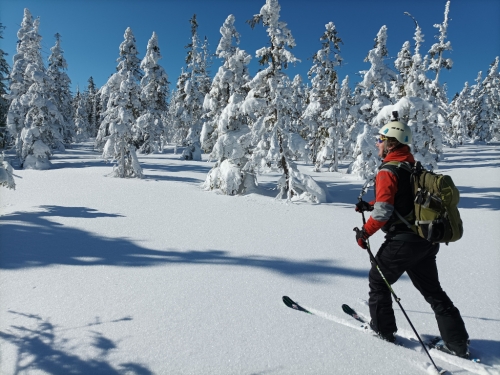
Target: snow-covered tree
[6, 174]
[187, 103]
[421, 104]
[154, 95]
[437, 61]
[177, 117]
[59, 89]
[19, 83]
[81, 118]
[375, 92]
[220, 91]
[33, 117]
[484, 105]
[437, 93]
[321, 113]
[121, 118]
[491, 100]
[225, 132]
[92, 103]
[4, 102]
[267, 106]
[298, 103]
[460, 117]
[347, 119]
[127, 62]
[121, 108]
[204, 79]
[403, 65]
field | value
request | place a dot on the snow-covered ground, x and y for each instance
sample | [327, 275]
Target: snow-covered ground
[102, 275]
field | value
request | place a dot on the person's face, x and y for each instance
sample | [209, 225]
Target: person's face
[381, 145]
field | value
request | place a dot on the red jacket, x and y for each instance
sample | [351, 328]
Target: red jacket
[386, 184]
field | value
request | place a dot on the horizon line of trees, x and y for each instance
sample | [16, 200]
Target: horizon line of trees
[247, 125]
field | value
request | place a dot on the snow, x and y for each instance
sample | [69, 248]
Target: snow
[103, 275]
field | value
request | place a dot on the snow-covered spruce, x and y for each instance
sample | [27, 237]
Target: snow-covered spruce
[6, 174]
[119, 146]
[460, 117]
[4, 101]
[110, 92]
[267, 106]
[437, 60]
[321, 114]
[92, 102]
[347, 120]
[484, 106]
[491, 86]
[298, 104]
[42, 123]
[187, 103]
[81, 118]
[19, 84]
[154, 94]
[437, 93]
[121, 96]
[32, 118]
[373, 93]
[222, 84]
[225, 131]
[429, 110]
[59, 90]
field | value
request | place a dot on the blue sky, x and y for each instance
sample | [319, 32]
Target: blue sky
[92, 31]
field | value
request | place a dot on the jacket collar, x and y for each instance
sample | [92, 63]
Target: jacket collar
[400, 154]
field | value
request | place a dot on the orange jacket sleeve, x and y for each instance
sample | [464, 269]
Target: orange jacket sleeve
[386, 184]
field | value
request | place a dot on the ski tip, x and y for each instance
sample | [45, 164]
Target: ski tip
[294, 305]
[347, 309]
[288, 301]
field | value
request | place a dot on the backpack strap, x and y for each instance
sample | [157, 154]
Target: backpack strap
[405, 222]
[393, 166]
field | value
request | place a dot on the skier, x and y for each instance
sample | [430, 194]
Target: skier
[404, 250]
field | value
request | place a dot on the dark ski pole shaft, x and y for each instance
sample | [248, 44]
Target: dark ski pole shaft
[396, 298]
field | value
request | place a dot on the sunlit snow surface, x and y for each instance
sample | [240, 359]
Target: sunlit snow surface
[101, 275]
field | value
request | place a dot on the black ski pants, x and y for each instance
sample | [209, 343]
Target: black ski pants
[418, 260]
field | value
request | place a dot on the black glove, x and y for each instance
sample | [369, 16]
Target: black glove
[361, 237]
[362, 206]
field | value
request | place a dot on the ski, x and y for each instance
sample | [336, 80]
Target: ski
[405, 340]
[350, 311]
[294, 305]
[433, 343]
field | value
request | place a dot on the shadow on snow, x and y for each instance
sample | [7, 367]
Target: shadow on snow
[41, 346]
[482, 197]
[30, 239]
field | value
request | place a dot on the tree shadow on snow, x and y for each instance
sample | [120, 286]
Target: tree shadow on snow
[80, 155]
[79, 162]
[156, 177]
[41, 345]
[446, 169]
[346, 193]
[171, 169]
[30, 240]
[483, 197]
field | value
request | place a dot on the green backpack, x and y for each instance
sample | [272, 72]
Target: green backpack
[435, 216]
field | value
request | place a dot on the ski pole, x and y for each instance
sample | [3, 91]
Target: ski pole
[396, 298]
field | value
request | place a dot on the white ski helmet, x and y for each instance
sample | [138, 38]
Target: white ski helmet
[398, 130]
